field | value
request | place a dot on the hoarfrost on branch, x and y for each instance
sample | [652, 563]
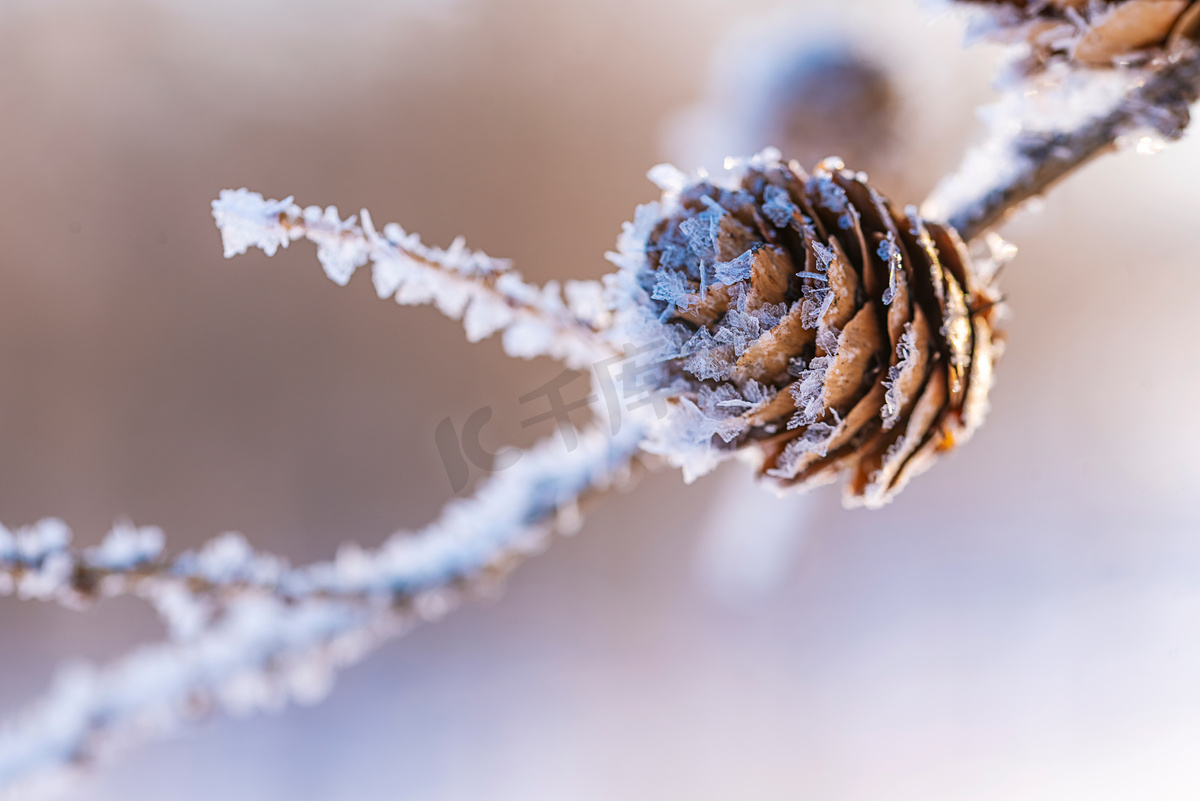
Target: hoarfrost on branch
[249, 631]
[485, 293]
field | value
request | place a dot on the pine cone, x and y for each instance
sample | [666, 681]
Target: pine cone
[807, 323]
[1094, 34]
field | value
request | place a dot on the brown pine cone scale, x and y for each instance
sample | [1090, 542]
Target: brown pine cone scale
[1094, 34]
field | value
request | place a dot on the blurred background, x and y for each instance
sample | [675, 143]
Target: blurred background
[1023, 622]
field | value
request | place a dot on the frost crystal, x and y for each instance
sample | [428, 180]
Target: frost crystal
[127, 546]
[735, 270]
[338, 253]
[833, 197]
[585, 299]
[889, 252]
[668, 178]
[907, 354]
[778, 207]
[814, 440]
[247, 220]
[809, 391]
[670, 286]
[709, 357]
[824, 255]
[816, 303]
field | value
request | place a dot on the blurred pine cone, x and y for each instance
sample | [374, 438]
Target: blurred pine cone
[1092, 32]
[810, 93]
[806, 322]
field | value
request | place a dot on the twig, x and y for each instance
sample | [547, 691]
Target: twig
[486, 293]
[38, 562]
[1015, 165]
[279, 634]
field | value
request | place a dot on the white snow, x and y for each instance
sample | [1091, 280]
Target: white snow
[127, 546]
[247, 220]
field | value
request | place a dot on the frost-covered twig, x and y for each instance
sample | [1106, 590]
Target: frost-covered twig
[248, 630]
[487, 294]
[1017, 163]
[262, 653]
[280, 633]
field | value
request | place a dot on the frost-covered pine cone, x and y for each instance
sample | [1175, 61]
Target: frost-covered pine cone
[806, 323]
[1093, 32]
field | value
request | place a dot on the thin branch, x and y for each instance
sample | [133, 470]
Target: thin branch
[486, 293]
[263, 653]
[1016, 164]
[272, 633]
[38, 563]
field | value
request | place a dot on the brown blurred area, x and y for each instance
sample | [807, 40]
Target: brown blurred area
[1023, 622]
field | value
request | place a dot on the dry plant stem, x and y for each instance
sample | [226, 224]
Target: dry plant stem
[85, 583]
[565, 324]
[394, 577]
[1161, 101]
[485, 293]
[267, 641]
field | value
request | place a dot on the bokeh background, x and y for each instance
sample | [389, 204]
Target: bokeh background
[1023, 622]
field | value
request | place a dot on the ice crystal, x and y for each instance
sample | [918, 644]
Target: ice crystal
[735, 270]
[127, 546]
[907, 354]
[778, 207]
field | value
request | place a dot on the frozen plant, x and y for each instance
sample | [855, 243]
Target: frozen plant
[799, 321]
[249, 631]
